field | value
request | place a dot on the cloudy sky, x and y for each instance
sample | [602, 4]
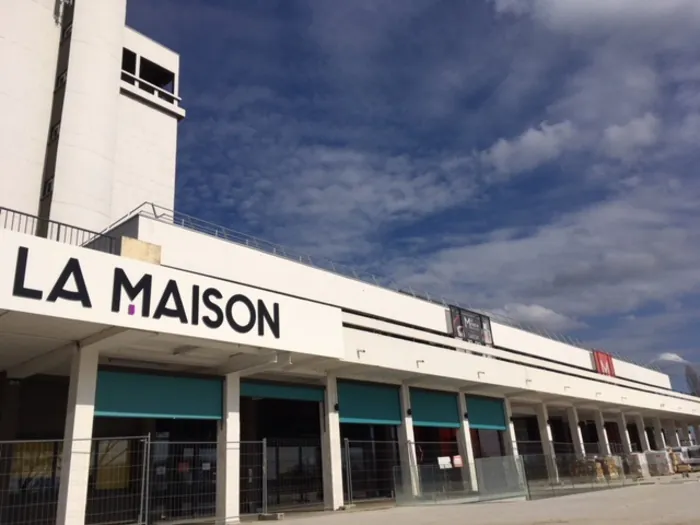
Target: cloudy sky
[536, 158]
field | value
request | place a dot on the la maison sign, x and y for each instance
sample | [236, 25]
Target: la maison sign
[142, 294]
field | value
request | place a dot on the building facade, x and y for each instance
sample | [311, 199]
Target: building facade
[91, 114]
[168, 369]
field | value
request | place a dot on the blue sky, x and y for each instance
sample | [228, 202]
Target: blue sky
[536, 158]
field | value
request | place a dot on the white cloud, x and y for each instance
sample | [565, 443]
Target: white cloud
[577, 15]
[622, 142]
[670, 357]
[532, 148]
[609, 258]
[539, 316]
[365, 153]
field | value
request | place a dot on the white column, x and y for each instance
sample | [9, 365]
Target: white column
[603, 441]
[546, 439]
[624, 434]
[228, 451]
[671, 434]
[684, 434]
[466, 450]
[331, 448]
[510, 438]
[575, 430]
[77, 438]
[642, 431]
[659, 435]
[407, 446]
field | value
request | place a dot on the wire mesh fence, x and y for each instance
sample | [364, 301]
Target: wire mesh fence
[253, 459]
[117, 480]
[370, 470]
[29, 481]
[449, 480]
[293, 474]
[565, 474]
[137, 480]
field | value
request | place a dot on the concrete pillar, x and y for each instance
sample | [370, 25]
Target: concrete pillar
[696, 430]
[547, 444]
[671, 434]
[77, 438]
[624, 433]
[228, 451]
[642, 431]
[510, 438]
[603, 441]
[575, 430]
[659, 435]
[466, 450]
[331, 448]
[407, 447]
[684, 433]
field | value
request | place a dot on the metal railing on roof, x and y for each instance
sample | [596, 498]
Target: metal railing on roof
[189, 222]
[21, 222]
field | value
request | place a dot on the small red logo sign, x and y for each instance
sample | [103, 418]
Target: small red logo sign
[604, 363]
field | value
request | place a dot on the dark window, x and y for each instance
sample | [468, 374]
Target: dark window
[159, 77]
[128, 66]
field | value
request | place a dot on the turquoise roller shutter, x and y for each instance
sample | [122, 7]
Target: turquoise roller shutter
[435, 409]
[486, 413]
[270, 390]
[125, 394]
[369, 403]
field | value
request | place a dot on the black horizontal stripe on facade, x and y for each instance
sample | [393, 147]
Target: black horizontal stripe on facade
[423, 329]
[527, 365]
[505, 349]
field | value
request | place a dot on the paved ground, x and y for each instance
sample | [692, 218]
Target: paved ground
[661, 504]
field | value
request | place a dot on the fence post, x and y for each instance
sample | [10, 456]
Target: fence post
[264, 476]
[145, 490]
[348, 473]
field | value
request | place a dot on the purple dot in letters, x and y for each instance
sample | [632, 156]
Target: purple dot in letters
[132, 309]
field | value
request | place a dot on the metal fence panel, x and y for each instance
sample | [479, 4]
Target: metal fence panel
[573, 474]
[293, 474]
[370, 469]
[118, 479]
[500, 477]
[29, 480]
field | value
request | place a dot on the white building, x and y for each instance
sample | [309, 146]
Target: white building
[172, 369]
[89, 128]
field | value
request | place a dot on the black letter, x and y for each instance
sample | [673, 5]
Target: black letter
[218, 318]
[162, 310]
[195, 305]
[19, 290]
[72, 269]
[245, 328]
[122, 283]
[264, 317]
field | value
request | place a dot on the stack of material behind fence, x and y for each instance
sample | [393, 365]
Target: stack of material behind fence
[573, 474]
